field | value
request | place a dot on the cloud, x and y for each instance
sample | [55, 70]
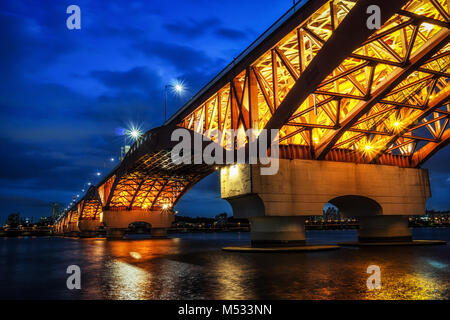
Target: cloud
[24, 201]
[192, 28]
[231, 34]
[181, 57]
[137, 79]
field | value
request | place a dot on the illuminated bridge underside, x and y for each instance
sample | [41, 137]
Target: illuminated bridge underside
[146, 179]
[385, 101]
[336, 90]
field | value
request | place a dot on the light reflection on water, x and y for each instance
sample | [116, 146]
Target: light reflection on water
[192, 266]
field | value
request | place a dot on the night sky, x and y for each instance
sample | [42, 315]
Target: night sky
[65, 95]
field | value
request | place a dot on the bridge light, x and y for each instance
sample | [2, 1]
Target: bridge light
[397, 124]
[427, 26]
[134, 133]
[368, 147]
[178, 87]
[233, 170]
[166, 206]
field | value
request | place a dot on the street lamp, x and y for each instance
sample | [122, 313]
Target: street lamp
[178, 88]
[134, 133]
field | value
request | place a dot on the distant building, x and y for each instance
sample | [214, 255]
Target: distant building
[332, 214]
[221, 219]
[123, 151]
[13, 220]
[55, 210]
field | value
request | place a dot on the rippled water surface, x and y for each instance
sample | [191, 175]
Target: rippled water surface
[192, 266]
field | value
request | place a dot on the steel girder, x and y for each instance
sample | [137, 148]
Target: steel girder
[328, 83]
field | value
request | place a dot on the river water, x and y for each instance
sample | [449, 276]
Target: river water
[192, 266]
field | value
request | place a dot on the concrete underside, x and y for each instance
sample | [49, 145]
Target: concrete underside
[89, 228]
[382, 197]
[117, 222]
[122, 219]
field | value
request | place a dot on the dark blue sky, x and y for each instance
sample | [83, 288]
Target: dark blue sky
[65, 93]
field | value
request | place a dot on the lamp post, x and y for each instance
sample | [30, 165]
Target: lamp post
[177, 88]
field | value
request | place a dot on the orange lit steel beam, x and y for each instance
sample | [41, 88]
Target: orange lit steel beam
[387, 32]
[441, 10]
[150, 189]
[428, 122]
[307, 110]
[136, 193]
[439, 100]
[425, 153]
[335, 50]
[421, 19]
[262, 83]
[396, 77]
[82, 209]
[163, 185]
[291, 69]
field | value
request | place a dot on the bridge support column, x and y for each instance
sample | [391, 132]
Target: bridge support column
[384, 229]
[380, 196]
[88, 234]
[88, 228]
[72, 230]
[277, 231]
[117, 221]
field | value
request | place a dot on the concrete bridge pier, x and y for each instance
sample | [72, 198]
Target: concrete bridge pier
[89, 228]
[380, 196]
[384, 229]
[117, 221]
[277, 231]
[72, 230]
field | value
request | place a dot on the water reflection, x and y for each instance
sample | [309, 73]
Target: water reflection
[126, 282]
[233, 280]
[193, 267]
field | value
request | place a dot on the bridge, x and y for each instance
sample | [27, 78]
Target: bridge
[358, 111]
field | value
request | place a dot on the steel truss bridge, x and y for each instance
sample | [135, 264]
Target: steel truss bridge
[336, 90]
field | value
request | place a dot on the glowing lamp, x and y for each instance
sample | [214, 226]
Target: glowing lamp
[233, 170]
